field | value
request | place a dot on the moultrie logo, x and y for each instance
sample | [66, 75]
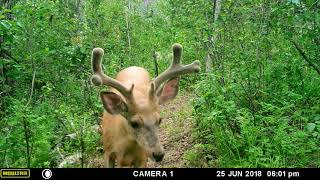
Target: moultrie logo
[15, 173]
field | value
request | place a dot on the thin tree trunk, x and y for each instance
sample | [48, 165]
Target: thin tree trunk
[217, 8]
[30, 48]
[82, 145]
[212, 39]
[156, 69]
[208, 62]
[79, 11]
[32, 87]
[27, 138]
[25, 122]
[305, 57]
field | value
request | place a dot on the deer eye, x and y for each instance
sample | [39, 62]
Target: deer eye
[135, 125]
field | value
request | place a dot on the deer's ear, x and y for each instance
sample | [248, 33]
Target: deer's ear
[169, 90]
[113, 103]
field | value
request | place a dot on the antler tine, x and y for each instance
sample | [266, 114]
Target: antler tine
[152, 91]
[176, 69]
[99, 78]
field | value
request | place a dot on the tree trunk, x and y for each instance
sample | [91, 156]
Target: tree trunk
[79, 11]
[217, 8]
[155, 58]
[212, 39]
[208, 62]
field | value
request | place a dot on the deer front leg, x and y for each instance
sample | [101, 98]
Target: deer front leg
[141, 164]
[108, 161]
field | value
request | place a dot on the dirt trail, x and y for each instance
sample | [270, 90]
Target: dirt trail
[175, 133]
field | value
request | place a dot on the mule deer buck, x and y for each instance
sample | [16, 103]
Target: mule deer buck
[131, 118]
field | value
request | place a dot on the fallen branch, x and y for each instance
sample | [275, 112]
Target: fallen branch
[305, 57]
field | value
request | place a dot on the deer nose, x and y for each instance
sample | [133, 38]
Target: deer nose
[158, 156]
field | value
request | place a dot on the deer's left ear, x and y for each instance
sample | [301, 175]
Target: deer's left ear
[169, 91]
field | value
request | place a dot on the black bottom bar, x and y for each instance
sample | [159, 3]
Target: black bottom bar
[166, 173]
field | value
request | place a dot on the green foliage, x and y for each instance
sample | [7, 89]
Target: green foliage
[48, 106]
[18, 131]
[260, 106]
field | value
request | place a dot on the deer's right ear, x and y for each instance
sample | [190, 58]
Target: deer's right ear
[113, 103]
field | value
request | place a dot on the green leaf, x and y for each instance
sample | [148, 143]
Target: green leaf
[5, 24]
[310, 127]
[83, 50]
[19, 24]
[6, 11]
[317, 118]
